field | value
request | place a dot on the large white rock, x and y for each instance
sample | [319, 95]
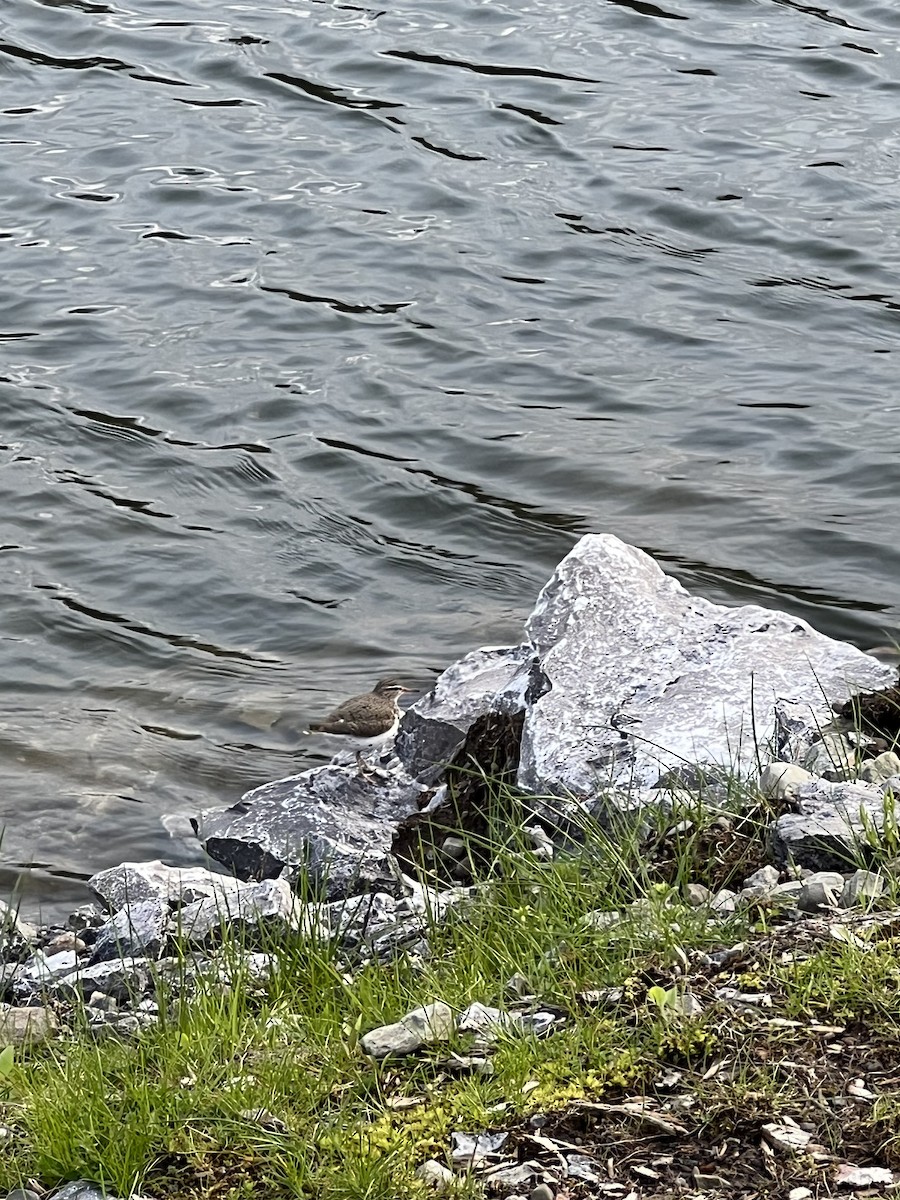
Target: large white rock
[645, 677]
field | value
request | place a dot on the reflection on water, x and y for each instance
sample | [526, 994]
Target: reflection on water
[327, 330]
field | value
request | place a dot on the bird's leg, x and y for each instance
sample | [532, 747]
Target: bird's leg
[363, 770]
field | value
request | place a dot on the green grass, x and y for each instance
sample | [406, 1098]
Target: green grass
[167, 1112]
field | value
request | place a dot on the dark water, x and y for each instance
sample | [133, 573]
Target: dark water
[327, 329]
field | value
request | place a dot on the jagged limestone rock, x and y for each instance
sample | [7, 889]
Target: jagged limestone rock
[21, 1026]
[832, 827]
[484, 681]
[863, 888]
[780, 780]
[822, 889]
[252, 914]
[331, 824]
[138, 930]
[433, 1023]
[133, 882]
[644, 677]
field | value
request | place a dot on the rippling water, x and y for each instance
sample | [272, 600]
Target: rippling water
[325, 330]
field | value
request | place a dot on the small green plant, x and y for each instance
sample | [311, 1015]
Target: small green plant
[7, 1061]
[664, 999]
[881, 838]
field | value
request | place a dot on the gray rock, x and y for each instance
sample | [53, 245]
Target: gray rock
[831, 758]
[862, 888]
[543, 1191]
[883, 767]
[376, 924]
[579, 1166]
[133, 883]
[787, 892]
[517, 986]
[483, 681]
[644, 677]
[269, 905]
[421, 1027]
[602, 918]
[330, 825]
[436, 1175]
[822, 889]
[541, 841]
[358, 917]
[139, 930]
[828, 831]
[630, 689]
[780, 780]
[123, 979]
[766, 878]
[724, 902]
[697, 895]
[489, 1024]
[11, 924]
[25, 1025]
[505, 1179]
[265, 1119]
[122, 1025]
[102, 1003]
[754, 895]
[22, 1194]
[471, 1151]
[42, 968]
[82, 1190]
[788, 1139]
[454, 848]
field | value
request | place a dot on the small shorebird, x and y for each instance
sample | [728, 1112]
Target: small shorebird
[366, 721]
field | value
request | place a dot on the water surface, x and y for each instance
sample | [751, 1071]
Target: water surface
[326, 330]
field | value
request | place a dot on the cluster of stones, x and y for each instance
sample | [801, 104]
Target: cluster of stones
[158, 919]
[623, 681]
[841, 799]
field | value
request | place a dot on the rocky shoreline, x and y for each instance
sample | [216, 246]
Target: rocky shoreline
[628, 696]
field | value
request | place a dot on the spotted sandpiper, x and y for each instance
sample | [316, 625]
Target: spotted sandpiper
[366, 721]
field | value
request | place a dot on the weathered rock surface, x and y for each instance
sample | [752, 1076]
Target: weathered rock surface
[496, 680]
[130, 883]
[331, 824]
[25, 1025]
[629, 688]
[12, 926]
[421, 1027]
[822, 889]
[644, 677]
[831, 758]
[254, 912]
[124, 979]
[780, 780]
[435, 1175]
[863, 887]
[138, 930]
[80, 1189]
[830, 828]
[880, 769]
